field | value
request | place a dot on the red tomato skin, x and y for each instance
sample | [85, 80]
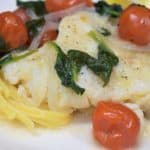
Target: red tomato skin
[21, 12]
[89, 3]
[56, 5]
[134, 25]
[49, 36]
[115, 126]
[13, 30]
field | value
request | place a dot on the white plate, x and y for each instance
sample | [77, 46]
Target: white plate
[76, 136]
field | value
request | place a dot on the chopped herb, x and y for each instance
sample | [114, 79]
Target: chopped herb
[67, 71]
[103, 8]
[12, 57]
[3, 45]
[34, 25]
[105, 32]
[37, 6]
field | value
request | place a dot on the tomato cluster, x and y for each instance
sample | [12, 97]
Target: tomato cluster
[114, 125]
[12, 24]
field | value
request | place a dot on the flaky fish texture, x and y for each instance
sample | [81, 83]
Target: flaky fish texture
[36, 77]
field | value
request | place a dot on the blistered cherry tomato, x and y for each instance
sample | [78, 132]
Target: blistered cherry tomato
[56, 5]
[49, 36]
[115, 126]
[13, 30]
[134, 25]
[22, 13]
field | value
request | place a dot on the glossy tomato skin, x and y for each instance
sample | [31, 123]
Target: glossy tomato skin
[89, 3]
[115, 126]
[56, 5]
[22, 13]
[134, 25]
[13, 30]
[50, 35]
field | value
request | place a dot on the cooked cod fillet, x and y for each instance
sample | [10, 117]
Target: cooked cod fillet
[36, 77]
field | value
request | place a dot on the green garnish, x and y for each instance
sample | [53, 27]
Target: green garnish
[3, 45]
[34, 25]
[36, 6]
[67, 70]
[69, 65]
[105, 56]
[12, 57]
[103, 8]
[105, 32]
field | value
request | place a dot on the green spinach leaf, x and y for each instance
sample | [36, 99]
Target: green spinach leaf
[34, 25]
[3, 45]
[105, 32]
[108, 60]
[37, 6]
[67, 71]
[12, 57]
[68, 66]
[105, 57]
[102, 66]
[103, 8]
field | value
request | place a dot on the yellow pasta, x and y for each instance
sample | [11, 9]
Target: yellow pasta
[51, 119]
[5, 108]
[15, 107]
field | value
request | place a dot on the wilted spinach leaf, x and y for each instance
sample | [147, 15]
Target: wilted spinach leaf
[12, 57]
[68, 66]
[103, 8]
[37, 6]
[102, 66]
[34, 25]
[105, 57]
[105, 32]
[108, 60]
[67, 71]
[3, 45]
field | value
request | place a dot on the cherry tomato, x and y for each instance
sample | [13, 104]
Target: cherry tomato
[49, 36]
[56, 5]
[134, 25]
[13, 30]
[89, 3]
[115, 126]
[22, 14]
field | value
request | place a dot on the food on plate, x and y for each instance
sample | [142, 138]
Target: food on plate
[78, 55]
[10, 25]
[113, 123]
[123, 3]
[22, 13]
[49, 36]
[15, 107]
[134, 25]
[126, 3]
[53, 5]
[103, 8]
